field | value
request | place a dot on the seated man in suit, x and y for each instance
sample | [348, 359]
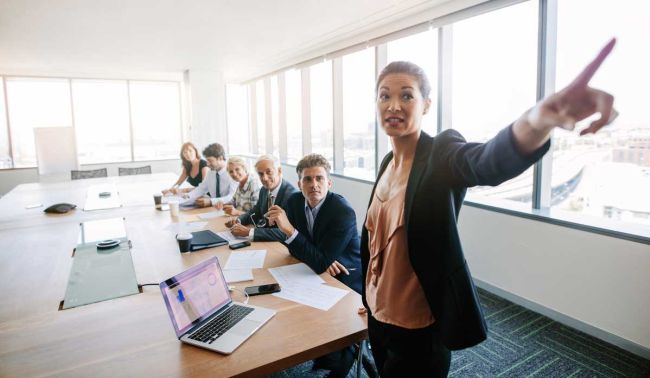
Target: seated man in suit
[275, 190]
[217, 187]
[320, 228]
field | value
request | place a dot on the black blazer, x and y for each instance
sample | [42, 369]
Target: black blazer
[335, 237]
[261, 208]
[442, 169]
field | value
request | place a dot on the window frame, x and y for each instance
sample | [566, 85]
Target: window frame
[69, 79]
[539, 209]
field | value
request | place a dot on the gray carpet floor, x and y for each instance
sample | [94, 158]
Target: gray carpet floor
[522, 343]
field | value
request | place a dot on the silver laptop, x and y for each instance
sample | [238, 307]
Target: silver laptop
[203, 314]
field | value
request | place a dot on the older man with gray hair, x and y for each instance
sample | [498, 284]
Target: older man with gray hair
[275, 191]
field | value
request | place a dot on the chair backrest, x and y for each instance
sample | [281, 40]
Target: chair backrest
[78, 175]
[134, 171]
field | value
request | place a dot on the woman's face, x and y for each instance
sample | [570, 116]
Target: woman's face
[189, 153]
[400, 105]
[236, 172]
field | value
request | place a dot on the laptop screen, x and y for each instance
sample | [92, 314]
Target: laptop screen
[195, 294]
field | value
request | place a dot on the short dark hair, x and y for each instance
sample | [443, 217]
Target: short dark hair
[407, 68]
[313, 160]
[214, 150]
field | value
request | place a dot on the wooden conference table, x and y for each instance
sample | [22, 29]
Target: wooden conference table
[133, 336]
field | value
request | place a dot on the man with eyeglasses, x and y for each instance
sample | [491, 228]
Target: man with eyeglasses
[275, 191]
[320, 229]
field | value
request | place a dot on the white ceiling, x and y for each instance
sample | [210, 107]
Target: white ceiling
[237, 37]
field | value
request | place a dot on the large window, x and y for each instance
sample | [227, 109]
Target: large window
[421, 49]
[293, 90]
[35, 102]
[101, 117]
[606, 174]
[275, 116]
[359, 114]
[322, 130]
[109, 118]
[260, 104]
[494, 81]
[237, 118]
[5, 155]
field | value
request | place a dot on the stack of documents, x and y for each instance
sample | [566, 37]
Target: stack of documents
[300, 284]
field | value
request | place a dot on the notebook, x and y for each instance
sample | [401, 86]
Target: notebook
[206, 239]
[203, 313]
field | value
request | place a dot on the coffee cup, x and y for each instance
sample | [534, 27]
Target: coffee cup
[157, 199]
[184, 241]
[174, 207]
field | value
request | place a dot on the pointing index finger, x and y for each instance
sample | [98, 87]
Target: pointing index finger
[585, 76]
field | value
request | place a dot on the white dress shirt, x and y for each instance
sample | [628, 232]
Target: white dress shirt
[310, 215]
[227, 187]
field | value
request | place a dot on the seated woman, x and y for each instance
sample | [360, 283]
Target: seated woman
[248, 190]
[194, 169]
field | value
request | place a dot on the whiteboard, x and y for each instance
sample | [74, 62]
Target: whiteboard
[56, 150]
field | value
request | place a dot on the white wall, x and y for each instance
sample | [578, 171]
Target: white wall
[596, 283]
[206, 94]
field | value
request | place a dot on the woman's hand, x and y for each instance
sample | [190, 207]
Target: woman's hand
[231, 210]
[572, 104]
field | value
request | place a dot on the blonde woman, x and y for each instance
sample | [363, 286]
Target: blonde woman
[248, 190]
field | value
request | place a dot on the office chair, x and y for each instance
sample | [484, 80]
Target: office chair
[93, 173]
[134, 171]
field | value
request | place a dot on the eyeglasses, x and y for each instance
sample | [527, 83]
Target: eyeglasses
[261, 223]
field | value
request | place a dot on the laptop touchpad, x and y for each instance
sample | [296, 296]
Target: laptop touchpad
[245, 327]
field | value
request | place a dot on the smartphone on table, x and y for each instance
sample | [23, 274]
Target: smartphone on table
[243, 244]
[262, 289]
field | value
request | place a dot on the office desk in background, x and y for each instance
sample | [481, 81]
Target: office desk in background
[133, 336]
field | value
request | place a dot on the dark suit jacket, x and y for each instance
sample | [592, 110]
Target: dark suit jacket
[261, 208]
[443, 168]
[335, 237]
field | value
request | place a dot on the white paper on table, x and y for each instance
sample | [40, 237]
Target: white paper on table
[179, 227]
[168, 199]
[322, 297]
[297, 274]
[238, 275]
[250, 259]
[232, 239]
[211, 214]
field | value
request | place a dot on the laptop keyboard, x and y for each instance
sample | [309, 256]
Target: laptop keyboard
[221, 323]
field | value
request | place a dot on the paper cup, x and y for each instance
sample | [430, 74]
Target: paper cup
[174, 207]
[184, 241]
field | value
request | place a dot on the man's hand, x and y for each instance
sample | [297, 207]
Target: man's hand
[277, 215]
[240, 230]
[203, 202]
[337, 268]
[232, 222]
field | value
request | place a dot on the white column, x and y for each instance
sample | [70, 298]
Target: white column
[207, 94]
